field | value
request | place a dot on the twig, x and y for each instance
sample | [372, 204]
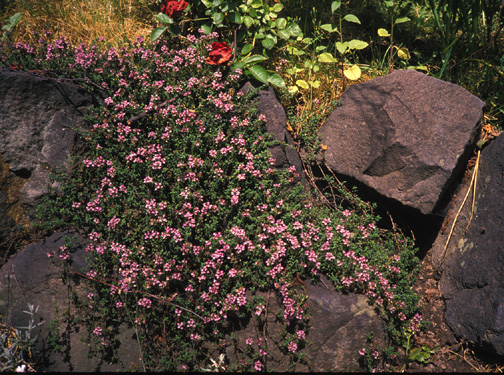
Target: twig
[162, 299]
[473, 182]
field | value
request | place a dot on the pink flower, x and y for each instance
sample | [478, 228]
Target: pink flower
[258, 365]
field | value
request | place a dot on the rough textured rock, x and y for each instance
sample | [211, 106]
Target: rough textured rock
[406, 136]
[338, 329]
[472, 280]
[285, 155]
[36, 117]
[31, 277]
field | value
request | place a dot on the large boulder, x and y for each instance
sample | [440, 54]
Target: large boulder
[405, 136]
[31, 277]
[338, 329]
[471, 266]
[37, 115]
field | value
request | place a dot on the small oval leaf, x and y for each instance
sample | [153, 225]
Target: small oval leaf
[357, 44]
[246, 49]
[259, 73]
[383, 32]
[301, 83]
[401, 20]
[157, 32]
[326, 57]
[276, 80]
[353, 73]
[351, 18]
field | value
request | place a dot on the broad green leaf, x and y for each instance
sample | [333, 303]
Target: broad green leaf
[308, 64]
[259, 73]
[401, 20]
[293, 89]
[320, 48]
[174, 29]
[284, 34]
[403, 53]
[383, 32]
[163, 18]
[255, 3]
[419, 67]
[254, 59]
[389, 4]
[342, 47]
[237, 65]
[316, 68]
[207, 3]
[157, 32]
[295, 30]
[281, 23]
[351, 18]
[295, 51]
[13, 20]
[301, 83]
[294, 70]
[307, 41]
[207, 29]
[248, 21]
[216, 3]
[326, 57]
[353, 73]
[218, 18]
[335, 6]
[314, 84]
[234, 17]
[328, 27]
[277, 7]
[246, 49]
[357, 44]
[276, 80]
[268, 43]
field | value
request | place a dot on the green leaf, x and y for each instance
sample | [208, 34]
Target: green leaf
[268, 43]
[281, 23]
[207, 29]
[389, 4]
[328, 27]
[326, 57]
[284, 34]
[255, 3]
[246, 49]
[401, 20]
[342, 47]
[403, 53]
[234, 17]
[157, 32]
[216, 3]
[357, 44]
[335, 5]
[314, 84]
[351, 18]
[277, 7]
[276, 80]
[301, 83]
[218, 18]
[295, 30]
[383, 32]
[259, 73]
[293, 89]
[248, 21]
[13, 20]
[320, 48]
[254, 59]
[163, 18]
[353, 73]
[292, 71]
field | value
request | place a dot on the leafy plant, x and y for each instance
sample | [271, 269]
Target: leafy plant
[16, 343]
[11, 23]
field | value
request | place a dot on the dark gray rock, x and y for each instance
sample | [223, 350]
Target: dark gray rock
[31, 277]
[472, 265]
[406, 136]
[37, 115]
[285, 154]
[338, 329]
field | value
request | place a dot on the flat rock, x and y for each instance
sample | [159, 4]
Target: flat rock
[31, 277]
[37, 115]
[406, 136]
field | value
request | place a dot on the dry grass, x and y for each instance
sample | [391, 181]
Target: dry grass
[82, 21]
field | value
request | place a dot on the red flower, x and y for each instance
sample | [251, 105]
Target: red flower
[219, 54]
[173, 8]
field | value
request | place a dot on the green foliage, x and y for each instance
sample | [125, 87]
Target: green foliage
[11, 23]
[186, 215]
[16, 344]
